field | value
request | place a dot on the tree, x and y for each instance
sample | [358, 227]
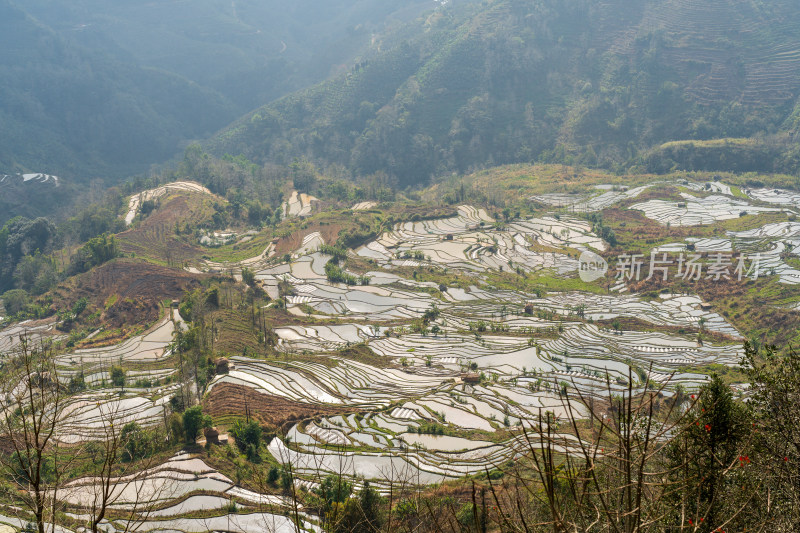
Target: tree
[617, 477]
[304, 175]
[775, 402]
[256, 213]
[134, 441]
[246, 434]
[370, 518]
[193, 421]
[212, 297]
[96, 251]
[333, 492]
[15, 300]
[31, 408]
[117, 376]
[21, 237]
[80, 306]
[77, 383]
[248, 276]
[344, 512]
[273, 475]
[36, 273]
[714, 437]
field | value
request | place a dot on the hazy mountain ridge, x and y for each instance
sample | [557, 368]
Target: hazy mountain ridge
[73, 110]
[595, 83]
[95, 89]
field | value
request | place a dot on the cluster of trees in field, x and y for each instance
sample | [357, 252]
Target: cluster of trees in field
[36, 254]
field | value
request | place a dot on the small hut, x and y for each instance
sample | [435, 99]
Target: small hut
[211, 435]
[471, 377]
[224, 365]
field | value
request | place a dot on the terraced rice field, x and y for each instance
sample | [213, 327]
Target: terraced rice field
[221, 238]
[86, 415]
[34, 331]
[450, 398]
[602, 197]
[776, 196]
[698, 211]
[158, 499]
[523, 366]
[150, 346]
[136, 201]
[770, 244]
[468, 242]
[298, 205]
[521, 371]
[363, 206]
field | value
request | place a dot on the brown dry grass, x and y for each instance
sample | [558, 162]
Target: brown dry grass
[140, 288]
[155, 236]
[230, 400]
[290, 243]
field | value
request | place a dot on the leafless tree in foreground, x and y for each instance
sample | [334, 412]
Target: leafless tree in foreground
[31, 406]
[618, 471]
[124, 465]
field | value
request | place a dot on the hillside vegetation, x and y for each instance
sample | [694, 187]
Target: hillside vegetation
[587, 82]
[94, 89]
[514, 265]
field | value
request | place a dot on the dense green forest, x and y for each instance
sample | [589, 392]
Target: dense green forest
[98, 90]
[583, 82]
[95, 89]
[76, 111]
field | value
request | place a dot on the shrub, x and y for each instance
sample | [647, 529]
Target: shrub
[117, 376]
[80, 306]
[212, 297]
[272, 476]
[193, 421]
[248, 276]
[177, 404]
[76, 383]
[135, 442]
[15, 301]
[246, 434]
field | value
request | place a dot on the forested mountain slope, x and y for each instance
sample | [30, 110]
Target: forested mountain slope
[68, 109]
[94, 89]
[579, 81]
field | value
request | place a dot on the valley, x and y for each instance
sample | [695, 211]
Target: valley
[429, 353]
[433, 266]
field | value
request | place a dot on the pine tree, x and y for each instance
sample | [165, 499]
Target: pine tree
[704, 457]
